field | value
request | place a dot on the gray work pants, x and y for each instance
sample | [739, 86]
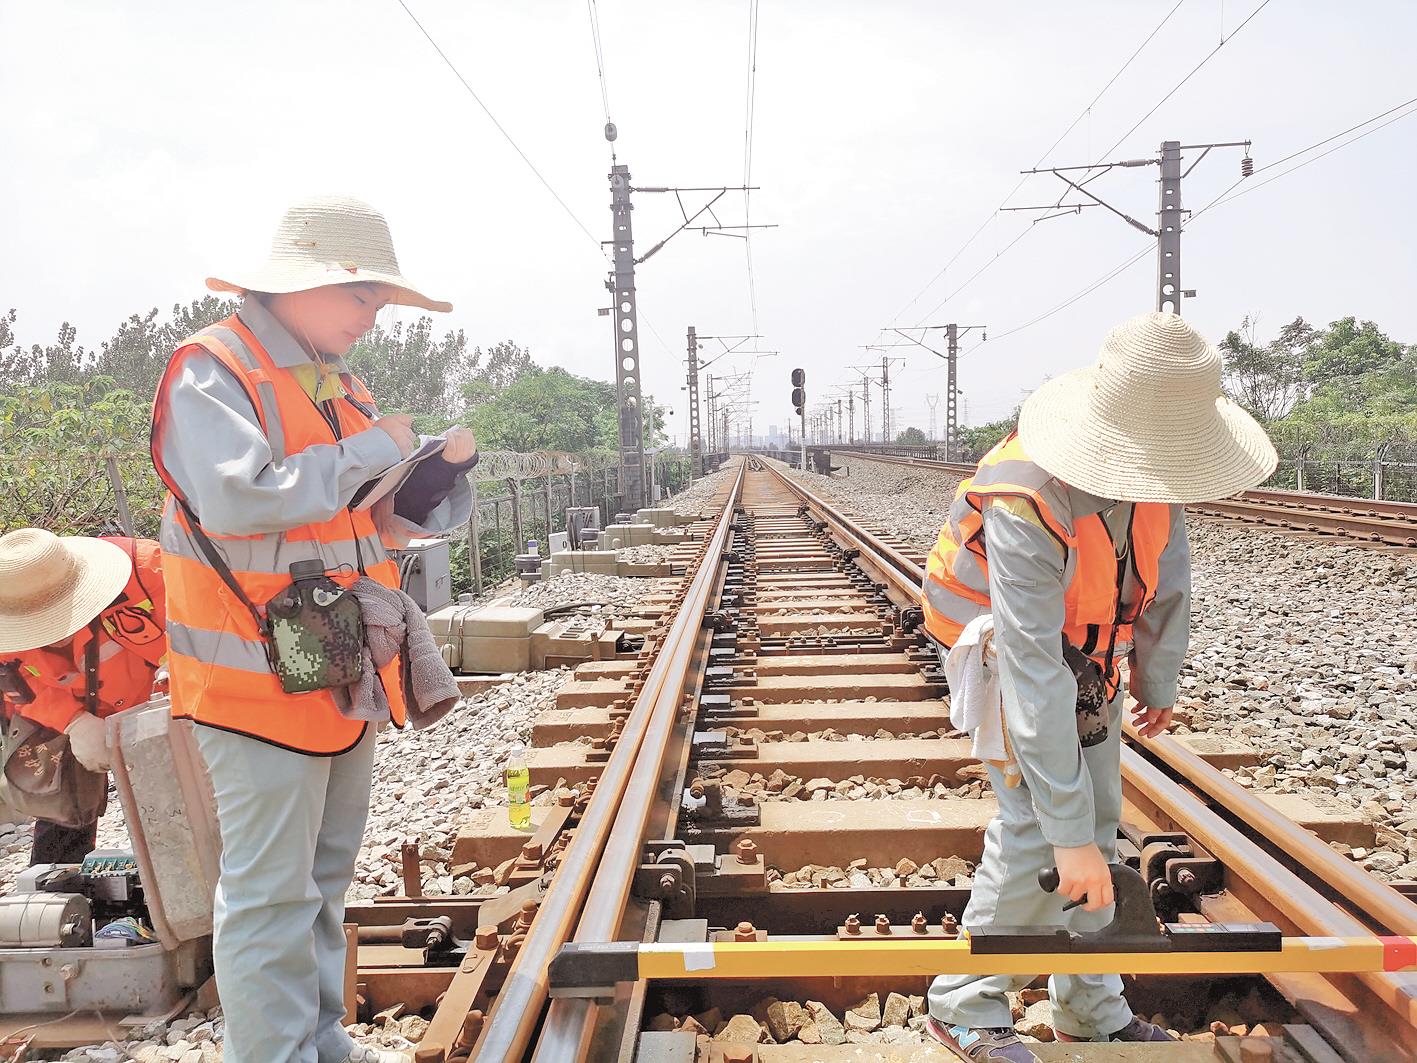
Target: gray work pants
[291, 826]
[1006, 892]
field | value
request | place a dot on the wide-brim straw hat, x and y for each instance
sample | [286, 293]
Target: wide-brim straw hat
[50, 587]
[330, 240]
[1148, 422]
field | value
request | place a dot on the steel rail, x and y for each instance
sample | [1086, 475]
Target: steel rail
[1298, 901]
[509, 1028]
[570, 1023]
[911, 575]
[1365, 519]
[1376, 900]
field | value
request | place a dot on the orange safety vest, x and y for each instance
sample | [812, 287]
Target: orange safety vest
[956, 586]
[220, 675]
[132, 644]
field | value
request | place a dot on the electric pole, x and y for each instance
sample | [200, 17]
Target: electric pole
[696, 450]
[851, 417]
[627, 341]
[1169, 211]
[953, 332]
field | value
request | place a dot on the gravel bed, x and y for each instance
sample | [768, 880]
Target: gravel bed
[650, 554]
[696, 498]
[899, 1019]
[783, 786]
[1306, 648]
[616, 596]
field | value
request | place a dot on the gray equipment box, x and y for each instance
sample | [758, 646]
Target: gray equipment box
[426, 574]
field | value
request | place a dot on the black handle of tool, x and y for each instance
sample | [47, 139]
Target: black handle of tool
[1049, 880]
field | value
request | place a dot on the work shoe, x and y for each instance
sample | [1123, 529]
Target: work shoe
[1136, 1030]
[995, 1044]
[369, 1054]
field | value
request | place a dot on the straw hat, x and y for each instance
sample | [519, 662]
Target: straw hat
[50, 587]
[1148, 422]
[330, 240]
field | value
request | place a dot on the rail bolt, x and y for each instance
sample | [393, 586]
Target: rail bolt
[565, 798]
[527, 914]
[746, 851]
[486, 937]
[918, 924]
[883, 924]
[950, 925]
[531, 851]
[853, 925]
[1185, 878]
[745, 931]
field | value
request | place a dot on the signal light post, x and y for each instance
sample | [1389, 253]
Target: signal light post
[799, 402]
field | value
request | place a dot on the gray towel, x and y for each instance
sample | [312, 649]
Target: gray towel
[395, 626]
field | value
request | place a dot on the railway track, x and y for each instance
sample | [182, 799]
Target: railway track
[779, 767]
[1364, 521]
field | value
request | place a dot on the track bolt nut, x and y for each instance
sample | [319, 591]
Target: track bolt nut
[747, 852]
[918, 924]
[883, 924]
[566, 798]
[745, 931]
[666, 882]
[531, 851]
[853, 925]
[486, 937]
[950, 925]
[1185, 878]
[527, 914]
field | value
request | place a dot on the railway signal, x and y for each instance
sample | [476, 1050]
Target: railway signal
[799, 403]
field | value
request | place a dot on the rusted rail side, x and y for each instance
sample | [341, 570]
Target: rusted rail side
[509, 1029]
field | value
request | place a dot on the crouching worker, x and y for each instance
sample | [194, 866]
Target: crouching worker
[81, 637]
[263, 437]
[1071, 534]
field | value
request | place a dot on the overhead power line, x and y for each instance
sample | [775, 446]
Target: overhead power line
[1392, 114]
[1157, 106]
[493, 118]
[749, 111]
[1048, 151]
[594, 14]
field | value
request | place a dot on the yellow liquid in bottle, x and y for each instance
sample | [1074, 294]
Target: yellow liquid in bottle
[518, 807]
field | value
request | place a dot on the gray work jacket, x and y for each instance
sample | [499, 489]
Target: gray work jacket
[1026, 589]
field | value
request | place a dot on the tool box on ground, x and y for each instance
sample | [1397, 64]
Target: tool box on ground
[127, 932]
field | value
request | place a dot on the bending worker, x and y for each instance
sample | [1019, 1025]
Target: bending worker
[1071, 535]
[81, 637]
[263, 437]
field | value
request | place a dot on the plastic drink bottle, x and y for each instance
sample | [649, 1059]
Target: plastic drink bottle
[518, 780]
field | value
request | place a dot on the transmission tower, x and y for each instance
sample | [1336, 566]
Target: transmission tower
[932, 401]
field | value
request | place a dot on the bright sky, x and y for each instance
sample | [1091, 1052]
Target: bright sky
[147, 145]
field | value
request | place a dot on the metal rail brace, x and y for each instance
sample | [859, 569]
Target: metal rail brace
[1134, 942]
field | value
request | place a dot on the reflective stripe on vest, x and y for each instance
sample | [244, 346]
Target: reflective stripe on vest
[956, 587]
[218, 666]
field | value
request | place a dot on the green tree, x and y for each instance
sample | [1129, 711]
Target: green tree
[977, 440]
[136, 355]
[542, 409]
[1267, 379]
[911, 436]
[409, 370]
[55, 442]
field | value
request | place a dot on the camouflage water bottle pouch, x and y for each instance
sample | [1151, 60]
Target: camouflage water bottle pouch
[1092, 695]
[316, 632]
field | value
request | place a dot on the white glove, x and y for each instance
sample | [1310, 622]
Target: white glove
[88, 738]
